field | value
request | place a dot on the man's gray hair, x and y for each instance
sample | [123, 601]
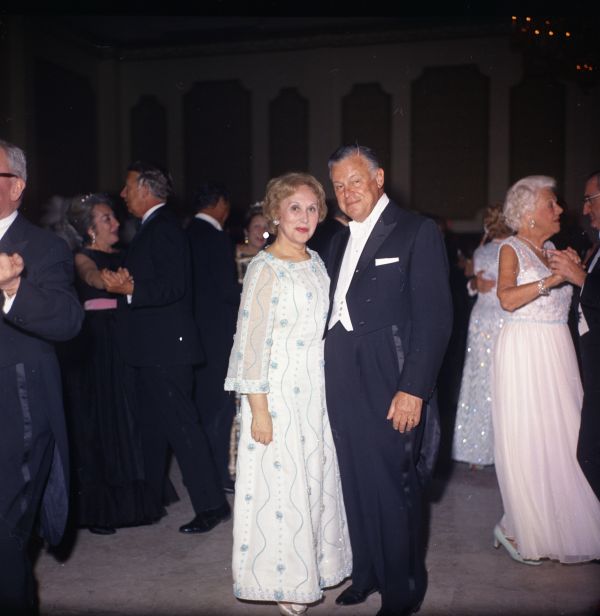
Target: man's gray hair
[345, 151]
[154, 178]
[15, 157]
[521, 196]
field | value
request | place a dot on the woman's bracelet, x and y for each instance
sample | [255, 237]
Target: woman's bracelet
[542, 288]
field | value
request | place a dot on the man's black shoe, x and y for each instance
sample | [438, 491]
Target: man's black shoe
[354, 596]
[207, 520]
[407, 612]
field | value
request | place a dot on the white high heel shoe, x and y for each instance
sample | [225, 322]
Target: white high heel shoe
[292, 609]
[501, 538]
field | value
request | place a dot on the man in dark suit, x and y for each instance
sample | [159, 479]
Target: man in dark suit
[216, 301]
[38, 306]
[159, 339]
[588, 279]
[389, 324]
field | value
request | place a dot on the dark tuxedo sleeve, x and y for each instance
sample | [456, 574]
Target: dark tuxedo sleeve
[46, 304]
[222, 268]
[590, 295]
[430, 312]
[165, 281]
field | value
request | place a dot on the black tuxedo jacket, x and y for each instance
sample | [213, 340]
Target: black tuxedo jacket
[590, 306]
[157, 328]
[408, 298]
[216, 289]
[46, 309]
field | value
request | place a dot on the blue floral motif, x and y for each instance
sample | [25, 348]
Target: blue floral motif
[264, 387]
[281, 274]
[251, 446]
[299, 343]
[309, 295]
[244, 547]
[248, 498]
[239, 355]
[245, 313]
[277, 465]
[279, 515]
[274, 364]
[275, 300]
[280, 567]
[283, 322]
[273, 414]
[296, 390]
[278, 595]
[269, 342]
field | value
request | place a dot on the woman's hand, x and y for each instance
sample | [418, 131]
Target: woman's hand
[261, 429]
[567, 265]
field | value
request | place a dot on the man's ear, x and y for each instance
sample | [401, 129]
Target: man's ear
[379, 177]
[17, 188]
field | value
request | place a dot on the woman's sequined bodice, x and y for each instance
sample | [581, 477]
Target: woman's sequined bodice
[553, 308]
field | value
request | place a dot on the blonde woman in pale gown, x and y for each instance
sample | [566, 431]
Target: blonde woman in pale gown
[473, 440]
[550, 511]
[290, 536]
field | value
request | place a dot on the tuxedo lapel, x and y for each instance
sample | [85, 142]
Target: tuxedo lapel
[383, 227]
[14, 239]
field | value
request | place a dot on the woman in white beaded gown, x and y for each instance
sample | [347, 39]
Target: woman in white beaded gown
[550, 511]
[473, 440]
[290, 536]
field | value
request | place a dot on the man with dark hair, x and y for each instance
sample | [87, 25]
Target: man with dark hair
[38, 306]
[389, 323]
[216, 302]
[159, 339]
[588, 278]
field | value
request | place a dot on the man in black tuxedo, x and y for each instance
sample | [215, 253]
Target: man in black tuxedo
[588, 279]
[389, 324]
[159, 339]
[216, 302]
[38, 306]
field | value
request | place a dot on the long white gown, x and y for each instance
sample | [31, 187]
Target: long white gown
[473, 440]
[290, 535]
[549, 508]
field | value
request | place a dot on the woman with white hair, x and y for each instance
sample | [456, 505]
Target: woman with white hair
[550, 511]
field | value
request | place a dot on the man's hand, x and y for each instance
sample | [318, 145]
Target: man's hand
[566, 263]
[11, 267]
[120, 282]
[405, 411]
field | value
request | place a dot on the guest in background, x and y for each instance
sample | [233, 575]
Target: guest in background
[473, 434]
[216, 302]
[256, 233]
[550, 511]
[335, 221]
[109, 475]
[38, 306]
[159, 340]
[588, 279]
[290, 535]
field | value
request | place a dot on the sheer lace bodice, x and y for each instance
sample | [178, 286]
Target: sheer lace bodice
[553, 308]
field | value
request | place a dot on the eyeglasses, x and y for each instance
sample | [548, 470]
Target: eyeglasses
[8, 175]
[590, 198]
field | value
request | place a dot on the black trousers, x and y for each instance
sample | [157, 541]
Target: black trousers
[217, 409]
[26, 450]
[588, 446]
[382, 495]
[168, 417]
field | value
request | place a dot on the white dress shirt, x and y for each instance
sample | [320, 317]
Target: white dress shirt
[359, 234]
[4, 225]
[210, 220]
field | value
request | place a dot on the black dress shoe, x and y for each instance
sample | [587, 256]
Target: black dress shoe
[354, 596]
[102, 530]
[207, 520]
[405, 612]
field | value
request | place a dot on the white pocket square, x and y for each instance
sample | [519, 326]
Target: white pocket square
[386, 260]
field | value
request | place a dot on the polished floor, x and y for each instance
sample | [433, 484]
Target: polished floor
[155, 570]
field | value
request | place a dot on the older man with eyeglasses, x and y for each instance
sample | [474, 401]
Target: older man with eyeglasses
[588, 278]
[38, 306]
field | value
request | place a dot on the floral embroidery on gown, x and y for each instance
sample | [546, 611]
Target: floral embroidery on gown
[290, 536]
[473, 433]
[549, 507]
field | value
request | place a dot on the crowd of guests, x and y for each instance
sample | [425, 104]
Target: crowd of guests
[274, 367]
